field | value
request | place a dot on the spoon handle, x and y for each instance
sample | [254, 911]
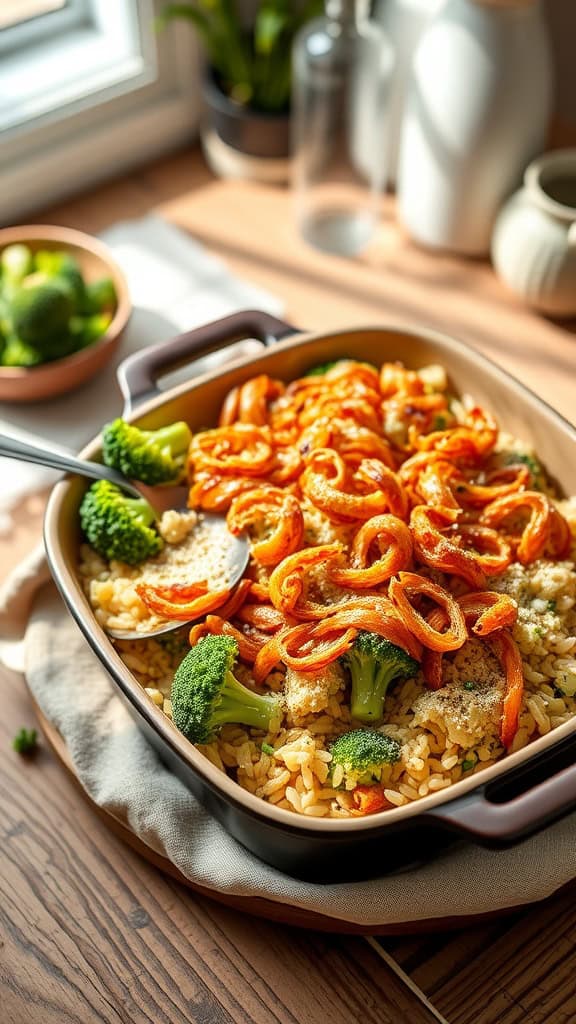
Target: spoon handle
[45, 454]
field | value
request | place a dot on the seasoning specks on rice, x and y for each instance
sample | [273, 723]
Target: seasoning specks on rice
[190, 549]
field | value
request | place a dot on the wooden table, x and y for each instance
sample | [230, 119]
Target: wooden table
[89, 932]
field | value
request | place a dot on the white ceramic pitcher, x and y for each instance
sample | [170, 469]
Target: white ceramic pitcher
[403, 21]
[476, 114]
[534, 241]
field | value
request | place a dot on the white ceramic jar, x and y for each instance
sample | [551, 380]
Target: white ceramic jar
[534, 241]
[476, 113]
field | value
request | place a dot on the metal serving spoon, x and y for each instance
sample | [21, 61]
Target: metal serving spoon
[160, 498]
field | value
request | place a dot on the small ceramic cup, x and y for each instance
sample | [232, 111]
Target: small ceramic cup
[534, 239]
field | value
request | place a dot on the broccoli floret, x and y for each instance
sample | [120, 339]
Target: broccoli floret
[61, 345]
[17, 353]
[25, 741]
[87, 329]
[100, 295]
[362, 754]
[61, 266]
[206, 695]
[153, 456]
[40, 310]
[119, 527]
[46, 305]
[374, 663]
[322, 368]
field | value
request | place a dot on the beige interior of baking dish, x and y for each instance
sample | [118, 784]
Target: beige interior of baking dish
[198, 401]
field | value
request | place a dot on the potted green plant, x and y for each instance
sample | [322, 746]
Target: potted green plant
[246, 82]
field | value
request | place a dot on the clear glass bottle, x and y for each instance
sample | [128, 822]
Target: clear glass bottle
[342, 68]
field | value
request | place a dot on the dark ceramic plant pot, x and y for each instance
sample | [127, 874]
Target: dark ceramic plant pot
[243, 143]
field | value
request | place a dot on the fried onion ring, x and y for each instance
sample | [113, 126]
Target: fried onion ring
[434, 548]
[325, 479]
[216, 625]
[268, 504]
[394, 540]
[174, 603]
[536, 534]
[288, 581]
[229, 451]
[409, 585]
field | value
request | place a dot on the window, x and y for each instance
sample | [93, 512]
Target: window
[26, 12]
[87, 87]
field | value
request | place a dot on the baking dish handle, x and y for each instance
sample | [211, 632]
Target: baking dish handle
[501, 822]
[138, 374]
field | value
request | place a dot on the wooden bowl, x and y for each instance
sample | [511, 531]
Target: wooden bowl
[29, 384]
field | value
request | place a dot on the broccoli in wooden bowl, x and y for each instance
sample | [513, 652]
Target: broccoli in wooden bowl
[64, 305]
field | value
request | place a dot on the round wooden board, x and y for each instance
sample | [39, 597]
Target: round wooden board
[259, 906]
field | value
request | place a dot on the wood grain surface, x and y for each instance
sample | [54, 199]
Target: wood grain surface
[519, 970]
[91, 933]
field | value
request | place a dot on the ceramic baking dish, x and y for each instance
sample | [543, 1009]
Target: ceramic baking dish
[502, 805]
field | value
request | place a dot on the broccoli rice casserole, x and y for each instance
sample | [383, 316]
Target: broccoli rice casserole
[408, 615]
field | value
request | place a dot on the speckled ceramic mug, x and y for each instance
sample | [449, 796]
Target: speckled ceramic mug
[534, 239]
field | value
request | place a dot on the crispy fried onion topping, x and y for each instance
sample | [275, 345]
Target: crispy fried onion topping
[392, 540]
[345, 494]
[274, 512]
[405, 589]
[355, 486]
[545, 532]
[180, 602]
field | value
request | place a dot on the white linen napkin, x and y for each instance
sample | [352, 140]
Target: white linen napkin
[175, 285]
[122, 774]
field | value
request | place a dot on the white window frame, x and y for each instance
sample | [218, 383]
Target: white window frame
[39, 26]
[114, 93]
